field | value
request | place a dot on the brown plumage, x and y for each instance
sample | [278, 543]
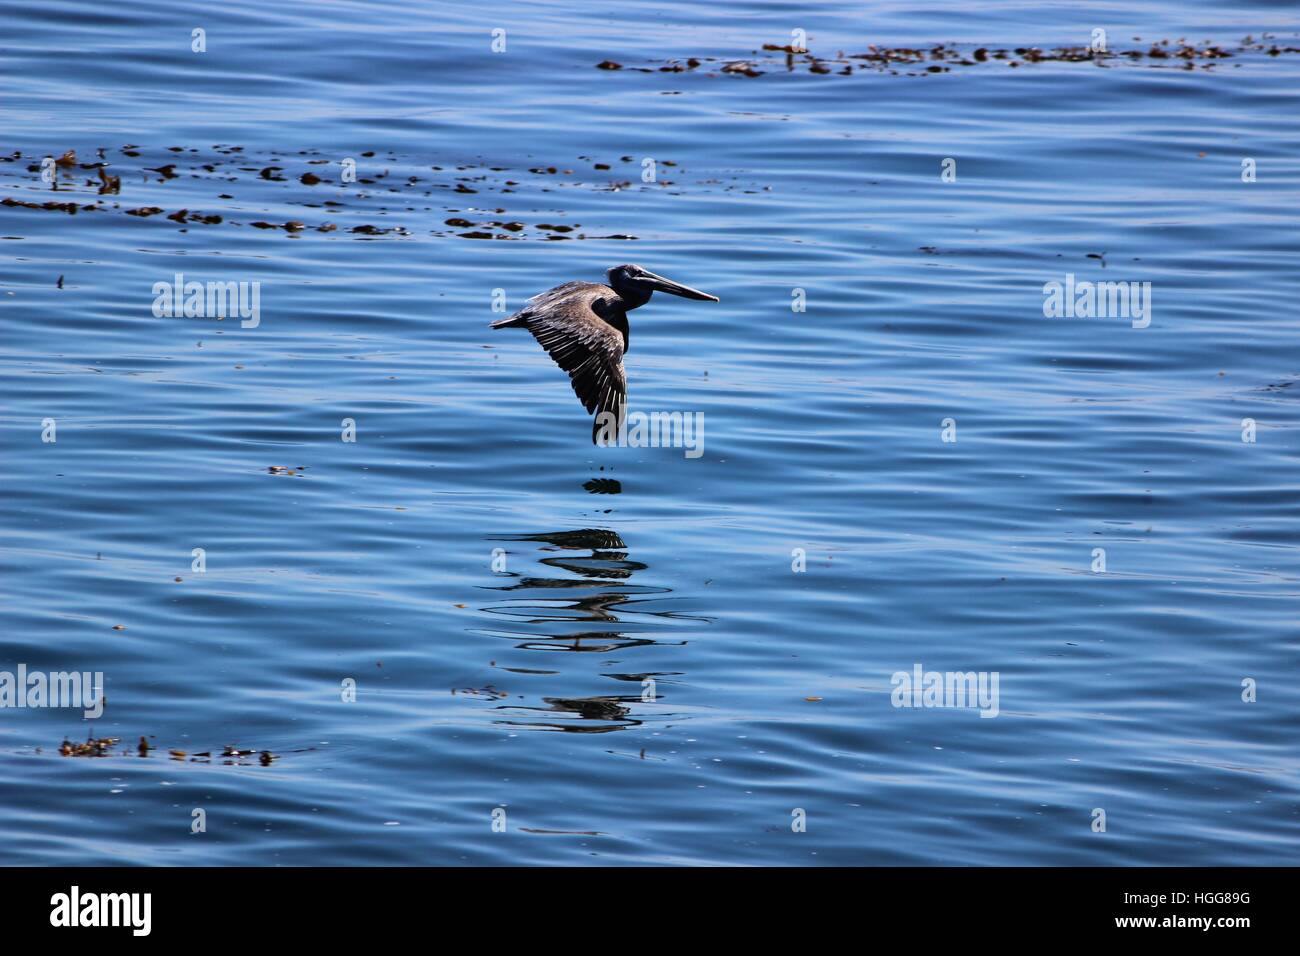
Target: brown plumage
[583, 326]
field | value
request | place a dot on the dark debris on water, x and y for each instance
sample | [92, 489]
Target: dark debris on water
[108, 746]
[942, 57]
[275, 180]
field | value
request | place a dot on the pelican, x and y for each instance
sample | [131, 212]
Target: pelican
[583, 327]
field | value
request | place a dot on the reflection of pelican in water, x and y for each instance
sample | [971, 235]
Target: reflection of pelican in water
[607, 566]
[584, 539]
[589, 642]
[610, 612]
[611, 712]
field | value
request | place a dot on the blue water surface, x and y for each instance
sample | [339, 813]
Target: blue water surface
[634, 656]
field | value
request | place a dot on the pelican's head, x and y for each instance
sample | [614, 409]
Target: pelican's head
[635, 282]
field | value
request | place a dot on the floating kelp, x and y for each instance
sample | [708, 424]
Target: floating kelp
[942, 57]
[107, 747]
[269, 183]
[108, 185]
[68, 207]
[93, 747]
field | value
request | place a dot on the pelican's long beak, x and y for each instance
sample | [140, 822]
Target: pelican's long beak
[676, 288]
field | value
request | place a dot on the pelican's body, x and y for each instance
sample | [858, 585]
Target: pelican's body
[583, 326]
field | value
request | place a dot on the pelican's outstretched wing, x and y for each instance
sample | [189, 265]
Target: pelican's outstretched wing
[565, 323]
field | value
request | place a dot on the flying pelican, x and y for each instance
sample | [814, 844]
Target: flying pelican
[583, 327]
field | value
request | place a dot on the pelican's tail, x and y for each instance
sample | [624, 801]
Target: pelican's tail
[506, 322]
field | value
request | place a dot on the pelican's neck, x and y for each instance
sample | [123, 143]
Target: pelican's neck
[633, 295]
[618, 319]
